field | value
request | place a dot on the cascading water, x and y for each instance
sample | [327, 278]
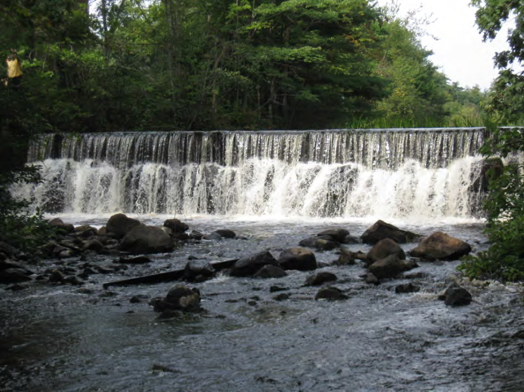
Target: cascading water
[395, 173]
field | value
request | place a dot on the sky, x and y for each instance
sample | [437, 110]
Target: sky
[459, 50]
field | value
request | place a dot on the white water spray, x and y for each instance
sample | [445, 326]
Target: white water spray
[414, 175]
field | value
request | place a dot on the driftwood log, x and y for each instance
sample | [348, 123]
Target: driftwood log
[168, 276]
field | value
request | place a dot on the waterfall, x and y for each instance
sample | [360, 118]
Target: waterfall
[399, 173]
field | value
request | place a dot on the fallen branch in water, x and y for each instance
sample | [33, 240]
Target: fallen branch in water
[166, 276]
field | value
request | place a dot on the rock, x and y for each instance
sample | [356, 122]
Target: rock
[249, 265]
[226, 233]
[388, 267]
[144, 239]
[351, 240]
[346, 257]
[320, 278]
[338, 235]
[274, 289]
[65, 228]
[119, 225]
[406, 288]
[176, 226]
[56, 277]
[198, 271]
[331, 294]
[300, 259]
[281, 297]
[6, 264]
[270, 271]
[180, 298]
[14, 275]
[214, 236]
[320, 243]
[381, 230]
[383, 249]
[94, 245]
[491, 169]
[456, 295]
[86, 231]
[371, 279]
[133, 260]
[195, 235]
[9, 251]
[440, 246]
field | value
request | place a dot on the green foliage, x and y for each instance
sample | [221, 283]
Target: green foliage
[508, 89]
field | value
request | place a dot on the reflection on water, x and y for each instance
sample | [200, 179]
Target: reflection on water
[65, 338]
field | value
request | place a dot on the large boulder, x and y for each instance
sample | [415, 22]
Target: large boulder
[144, 239]
[383, 249]
[249, 265]
[300, 259]
[119, 225]
[381, 230]
[389, 267]
[440, 246]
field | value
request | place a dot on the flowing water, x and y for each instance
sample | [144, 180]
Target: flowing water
[273, 190]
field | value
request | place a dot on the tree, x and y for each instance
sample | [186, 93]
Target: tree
[505, 204]
[508, 88]
[418, 88]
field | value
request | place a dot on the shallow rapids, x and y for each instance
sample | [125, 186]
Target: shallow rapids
[84, 338]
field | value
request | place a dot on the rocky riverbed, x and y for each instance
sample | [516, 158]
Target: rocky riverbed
[63, 331]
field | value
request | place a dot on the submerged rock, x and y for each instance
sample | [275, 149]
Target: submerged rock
[179, 297]
[226, 233]
[270, 271]
[406, 288]
[198, 271]
[331, 293]
[320, 278]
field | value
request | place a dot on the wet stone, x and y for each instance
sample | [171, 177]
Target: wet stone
[331, 294]
[320, 278]
[406, 288]
[456, 295]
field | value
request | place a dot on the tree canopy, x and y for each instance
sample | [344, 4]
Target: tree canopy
[222, 64]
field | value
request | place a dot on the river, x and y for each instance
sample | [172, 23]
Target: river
[70, 338]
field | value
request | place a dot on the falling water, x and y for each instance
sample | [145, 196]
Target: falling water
[397, 173]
